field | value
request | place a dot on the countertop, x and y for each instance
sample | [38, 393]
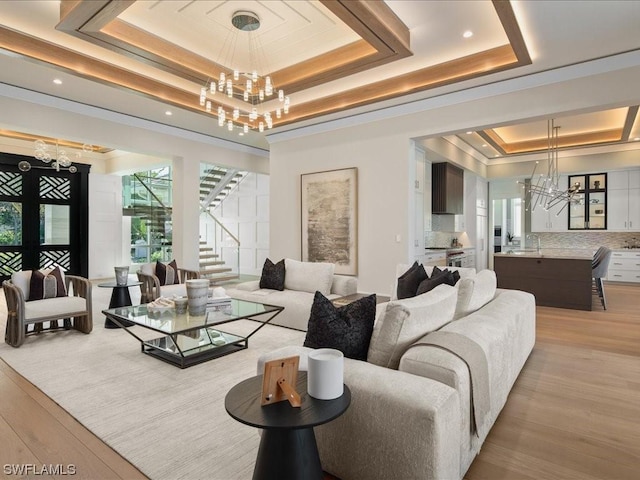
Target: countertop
[566, 253]
[446, 249]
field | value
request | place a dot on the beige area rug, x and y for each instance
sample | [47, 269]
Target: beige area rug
[168, 422]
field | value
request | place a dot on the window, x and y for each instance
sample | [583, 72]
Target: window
[147, 201]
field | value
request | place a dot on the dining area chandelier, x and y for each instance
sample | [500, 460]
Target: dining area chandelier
[252, 99]
[543, 190]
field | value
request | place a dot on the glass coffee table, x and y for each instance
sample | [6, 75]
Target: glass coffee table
[188, 340]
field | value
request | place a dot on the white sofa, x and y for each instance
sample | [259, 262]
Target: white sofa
[302, 280]
[414, 422]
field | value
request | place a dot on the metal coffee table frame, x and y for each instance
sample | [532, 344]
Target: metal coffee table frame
[190, 340]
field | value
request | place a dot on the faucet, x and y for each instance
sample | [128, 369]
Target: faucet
[531, 235]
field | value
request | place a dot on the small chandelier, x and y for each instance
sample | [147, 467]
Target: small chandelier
[250, 89]
[56, 158]
[544, 190]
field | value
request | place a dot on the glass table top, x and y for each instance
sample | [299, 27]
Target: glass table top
[167, 321]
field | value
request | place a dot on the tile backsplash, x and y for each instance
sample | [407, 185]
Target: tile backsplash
[590, 240]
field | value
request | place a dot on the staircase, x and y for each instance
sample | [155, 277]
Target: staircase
[215, 185]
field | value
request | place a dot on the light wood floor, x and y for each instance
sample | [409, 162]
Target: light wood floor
[574, 412]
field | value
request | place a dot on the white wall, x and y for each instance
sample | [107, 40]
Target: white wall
[383, 197]
[245, 212]
[105, 225]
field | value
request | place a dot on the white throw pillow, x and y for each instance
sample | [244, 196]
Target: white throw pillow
[308, 276]
[148, 268]
[475, 292]
[406, 321]
[22, 280]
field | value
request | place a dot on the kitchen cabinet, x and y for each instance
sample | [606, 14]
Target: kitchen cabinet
[433, 259]
[624, 266]
[591, 212]
[469, 259]
[553, 220]
[623, 197]
[447, 189]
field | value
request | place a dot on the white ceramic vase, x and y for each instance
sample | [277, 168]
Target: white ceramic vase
[325, 376]
[197, 291]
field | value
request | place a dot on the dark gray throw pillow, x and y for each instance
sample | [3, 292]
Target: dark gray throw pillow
[438, 277]
[273, 275]
[347, 328]
[409, 281]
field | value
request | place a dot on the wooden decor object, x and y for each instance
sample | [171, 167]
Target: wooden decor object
[279, 381]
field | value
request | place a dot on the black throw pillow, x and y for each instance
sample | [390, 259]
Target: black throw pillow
[438, 278]
[409, 281]
[273, 275]
[347, 328]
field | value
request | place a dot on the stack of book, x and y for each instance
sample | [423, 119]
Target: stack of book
[215, 304]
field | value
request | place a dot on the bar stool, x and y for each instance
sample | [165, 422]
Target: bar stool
[599, 267]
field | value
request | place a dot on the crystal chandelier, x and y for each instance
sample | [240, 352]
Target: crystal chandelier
[55, 158]
[544, 190]
[246, 91]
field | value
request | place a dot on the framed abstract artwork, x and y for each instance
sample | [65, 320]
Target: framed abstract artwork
[330, 219]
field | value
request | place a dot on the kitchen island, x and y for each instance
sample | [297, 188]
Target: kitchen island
[556, 277]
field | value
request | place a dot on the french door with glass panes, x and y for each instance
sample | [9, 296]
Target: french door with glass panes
[43, 217]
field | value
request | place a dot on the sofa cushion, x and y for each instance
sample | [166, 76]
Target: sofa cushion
[308, 276]
[405, 321]
[347, 328]
[59, 307]
[438, 278]
[476, 292]
[273, 275]
[410, 280]
[167, 273]
[46, 284]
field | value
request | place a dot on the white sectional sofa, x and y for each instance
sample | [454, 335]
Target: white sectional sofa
[302, 280]
[412, 420]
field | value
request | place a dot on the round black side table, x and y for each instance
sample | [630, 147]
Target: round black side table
[288, 449]
[119, 298]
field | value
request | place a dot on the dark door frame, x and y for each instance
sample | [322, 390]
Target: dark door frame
[79, 211]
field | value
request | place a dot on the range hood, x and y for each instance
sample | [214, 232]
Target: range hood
[447, 191]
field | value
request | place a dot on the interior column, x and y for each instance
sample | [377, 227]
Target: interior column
[186, 212]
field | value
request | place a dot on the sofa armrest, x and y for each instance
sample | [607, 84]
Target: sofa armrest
[404, 427]
[150, 288]
[186, 274]
[343, 285]
[81, 286]
[397, 426]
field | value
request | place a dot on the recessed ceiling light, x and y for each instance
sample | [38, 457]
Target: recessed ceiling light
[636, 139]
[57, 81]
[484, 144]
[467, 34]
[168, 113]
[469, 132]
